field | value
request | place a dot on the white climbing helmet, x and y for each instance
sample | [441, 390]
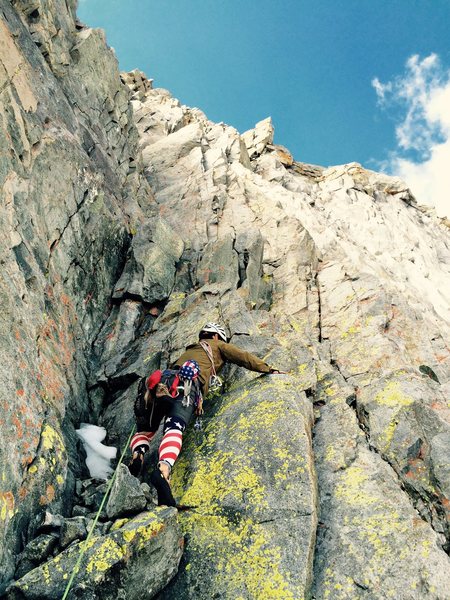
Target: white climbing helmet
[215, 328]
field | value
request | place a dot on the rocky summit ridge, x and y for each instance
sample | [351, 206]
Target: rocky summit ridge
[128, 221]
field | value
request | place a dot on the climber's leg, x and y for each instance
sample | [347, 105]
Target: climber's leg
[171, 443]
[140, 443]
[169, 450]
[147, 423]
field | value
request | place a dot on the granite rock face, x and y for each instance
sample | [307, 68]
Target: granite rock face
[72, 192]
[131, 221]
[252, 482]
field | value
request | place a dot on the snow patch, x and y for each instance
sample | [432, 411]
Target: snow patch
[98, 455]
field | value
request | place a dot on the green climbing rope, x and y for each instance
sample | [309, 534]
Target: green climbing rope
[84, 545]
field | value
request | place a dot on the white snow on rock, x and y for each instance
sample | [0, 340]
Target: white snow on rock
[98, 456]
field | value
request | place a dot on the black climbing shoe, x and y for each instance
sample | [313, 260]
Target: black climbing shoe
[163, 490]
[137, 462]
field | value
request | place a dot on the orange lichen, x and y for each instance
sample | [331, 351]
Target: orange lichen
[50, 492]
[66, 300]
[7, 505]
[49, 495]
[18, 426]
[52, 380]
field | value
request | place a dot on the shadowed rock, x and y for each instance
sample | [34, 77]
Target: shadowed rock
[113, 565]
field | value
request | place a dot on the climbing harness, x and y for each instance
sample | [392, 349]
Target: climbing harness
[85, 545]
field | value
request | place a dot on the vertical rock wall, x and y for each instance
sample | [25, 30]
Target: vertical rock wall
[71, 193]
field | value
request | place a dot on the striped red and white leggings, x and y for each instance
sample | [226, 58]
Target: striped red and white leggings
[170, 446]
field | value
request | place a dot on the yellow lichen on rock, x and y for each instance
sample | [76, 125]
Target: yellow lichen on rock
[84, 546]
[236, 401]
[129, 536]
[105, 557]
[247, 482]
[118, 524]
[388, 434]
[351, 487]
[392, 396]
[264, 414]
[344, 589]
[146, 532]
[352, 330]
[378, 530]
[51, 438]
[222, 480]
[244, 554]
[330, 453]
[208, 485]
[8, 505]
[46, 574]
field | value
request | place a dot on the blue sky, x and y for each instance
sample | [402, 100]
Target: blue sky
[310, 65]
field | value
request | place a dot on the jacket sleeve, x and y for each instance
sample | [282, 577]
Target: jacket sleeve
[232, 353]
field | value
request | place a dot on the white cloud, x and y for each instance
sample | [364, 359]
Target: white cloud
[423, 95]
[381, 89]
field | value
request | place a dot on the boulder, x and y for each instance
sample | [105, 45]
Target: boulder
[36, 552]
[71, 530]
[126, 495]
[112, 566]
[381, 547]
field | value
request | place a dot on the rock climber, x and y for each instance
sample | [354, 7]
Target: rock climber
[176, 393]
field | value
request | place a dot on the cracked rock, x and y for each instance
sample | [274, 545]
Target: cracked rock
[126, 495]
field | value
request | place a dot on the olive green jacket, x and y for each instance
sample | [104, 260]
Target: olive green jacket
[222, 353]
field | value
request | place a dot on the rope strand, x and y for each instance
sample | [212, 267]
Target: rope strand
[84, 544]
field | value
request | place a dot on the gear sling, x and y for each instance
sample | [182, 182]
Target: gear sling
[164, 393]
